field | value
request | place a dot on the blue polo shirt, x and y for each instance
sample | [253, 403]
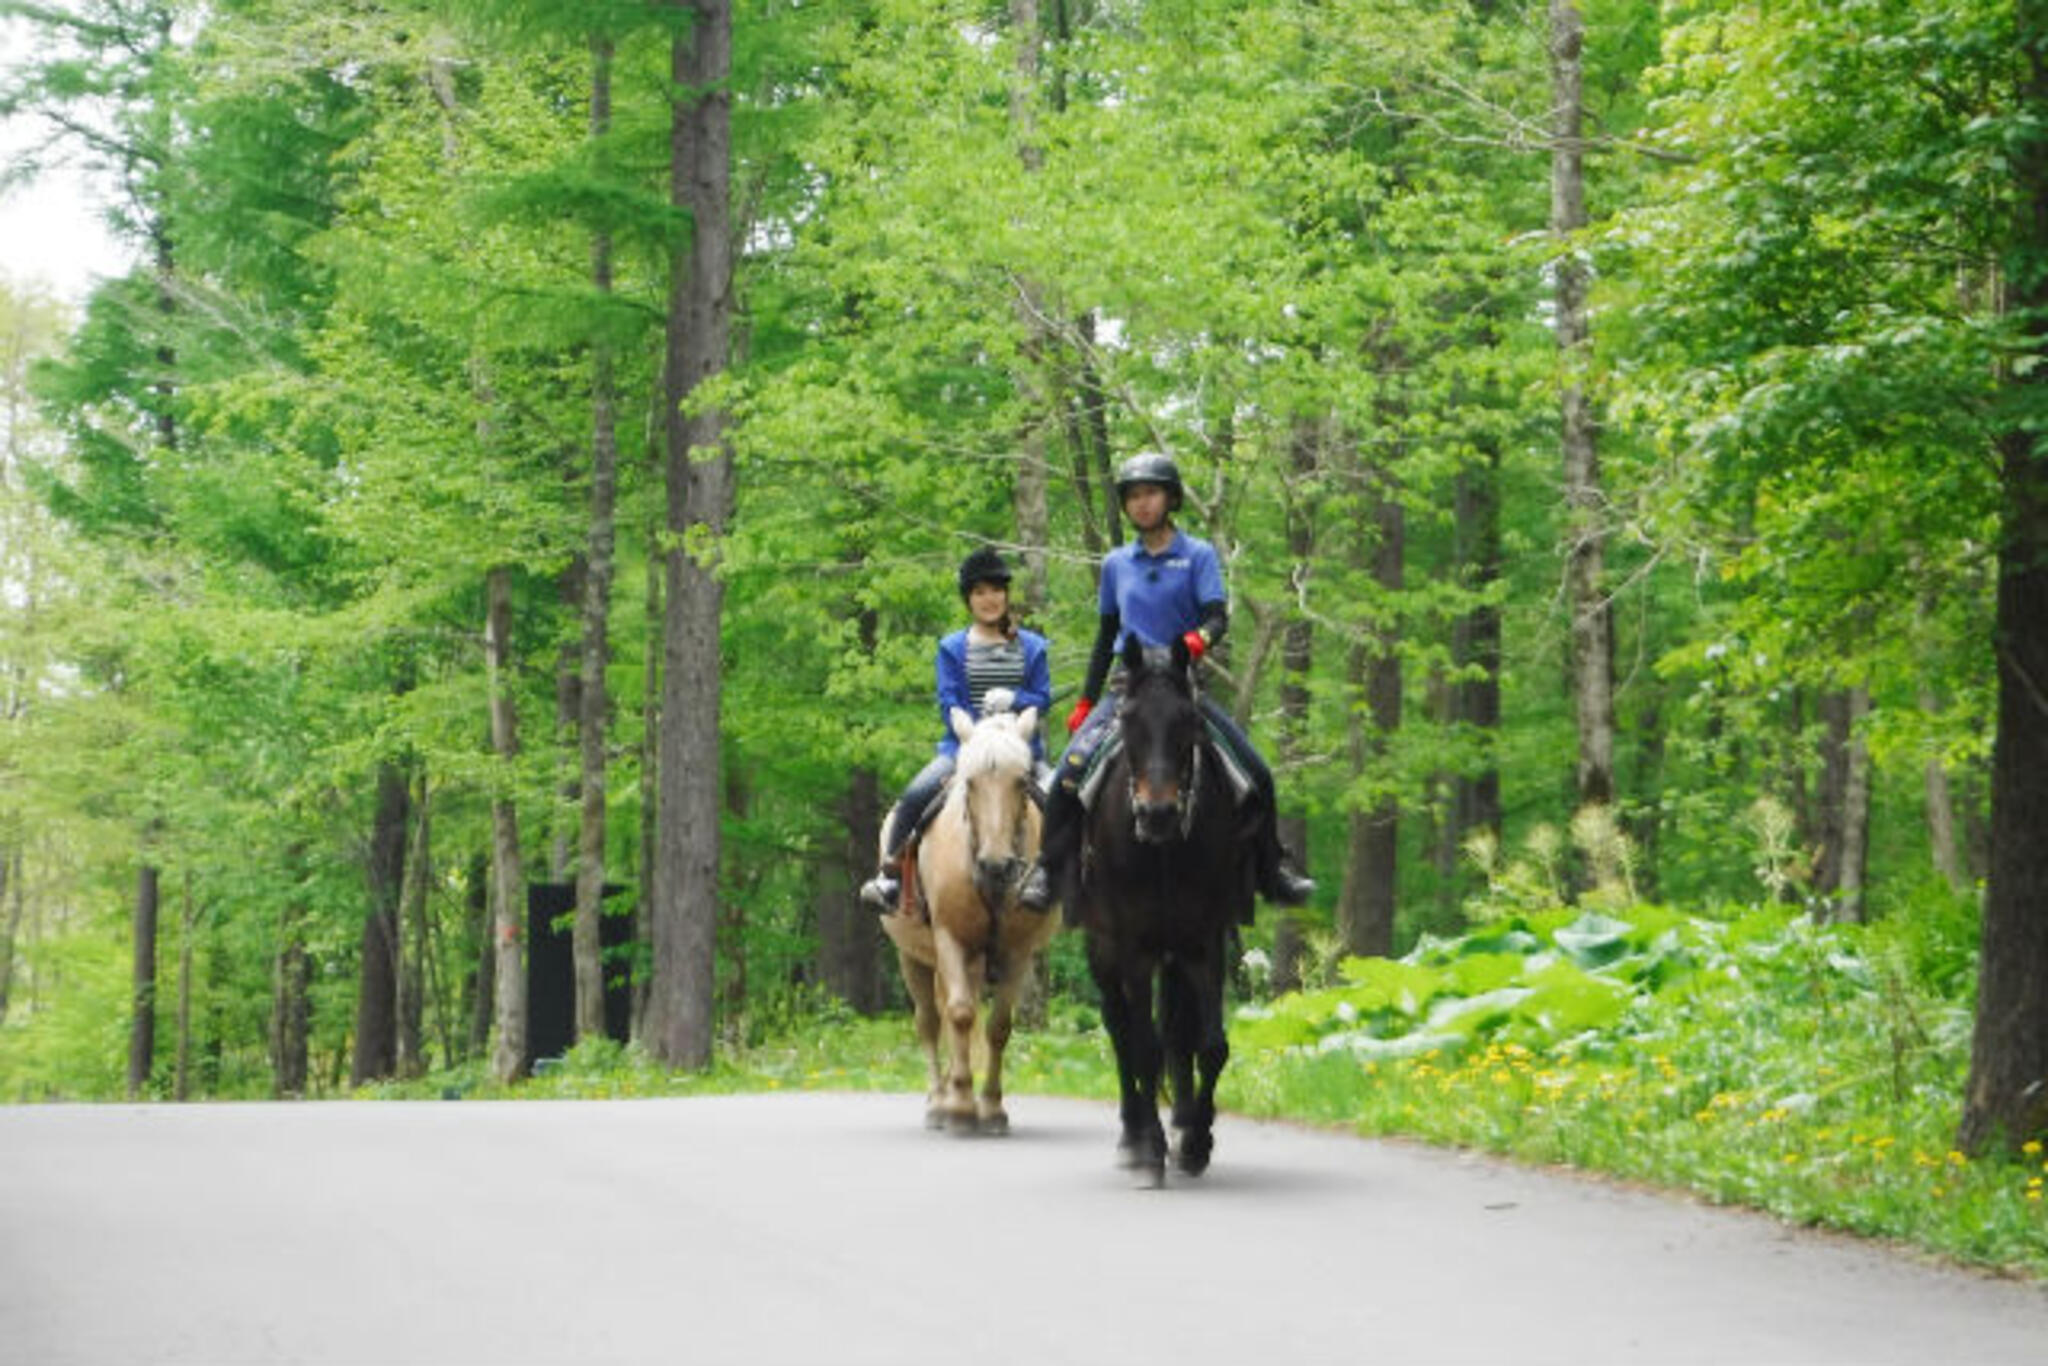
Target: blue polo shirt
[1159, 597]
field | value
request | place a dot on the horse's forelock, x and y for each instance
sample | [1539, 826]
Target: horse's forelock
[993, 747]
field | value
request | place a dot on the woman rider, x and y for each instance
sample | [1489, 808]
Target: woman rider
[990, 663]
[1164, 586]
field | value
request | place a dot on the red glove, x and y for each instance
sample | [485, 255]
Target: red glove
[1078, 715]
[1197, 643]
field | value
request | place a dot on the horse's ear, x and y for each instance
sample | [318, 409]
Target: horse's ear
[1027, 721]
[962, 723]
[1134, 652]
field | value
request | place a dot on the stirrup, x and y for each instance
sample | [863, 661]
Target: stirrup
[1037, 895]
[881, 894]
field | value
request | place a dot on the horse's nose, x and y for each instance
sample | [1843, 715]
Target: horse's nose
[1156, 821]
[995, 878]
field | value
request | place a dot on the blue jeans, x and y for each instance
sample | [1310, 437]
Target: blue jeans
[911, 805]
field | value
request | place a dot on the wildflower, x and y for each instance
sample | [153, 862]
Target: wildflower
[1956, 1159]
[2032, 1147]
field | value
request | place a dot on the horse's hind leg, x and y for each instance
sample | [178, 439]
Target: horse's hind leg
[917, 978]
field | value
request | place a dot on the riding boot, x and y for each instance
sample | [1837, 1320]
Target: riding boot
[1279, 883]
[1062, 831]
[883, 892]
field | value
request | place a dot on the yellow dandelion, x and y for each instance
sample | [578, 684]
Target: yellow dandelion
[2032, 1147]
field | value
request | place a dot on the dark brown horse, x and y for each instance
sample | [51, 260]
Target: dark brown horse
[1165, 872]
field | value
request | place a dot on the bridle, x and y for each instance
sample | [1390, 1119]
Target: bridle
[1190, 776]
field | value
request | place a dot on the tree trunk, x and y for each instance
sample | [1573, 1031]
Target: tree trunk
[1029, 493]
[142, 997]
[412, 924]
[2005, 1102]
[1297, 660]
[1844, 805]
[1646, 820]
[1366, 906]
[11, 903]
[1087, 417]
[699, 478]
[1592, 622]
[848, 939]
[508, 878]
[1942, 841]
[290, 1008]
[650, 778]
[376, 1053]
[597, 601]
[568, 712]
[1476, 642]
[732, 920]
[181, 1086]
[848, 962]
[483, 995]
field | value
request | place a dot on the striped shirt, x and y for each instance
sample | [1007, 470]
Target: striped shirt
[1000, 665]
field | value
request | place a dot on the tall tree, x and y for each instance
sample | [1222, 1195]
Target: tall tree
[2005, 1101]
[699, 472]
[1592, 621]
[508, 882]
[594, 700]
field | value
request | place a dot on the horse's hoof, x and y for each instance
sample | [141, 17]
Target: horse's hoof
[1149, 1176]
[935, 1119]
[961, 1125]
[995, 1124]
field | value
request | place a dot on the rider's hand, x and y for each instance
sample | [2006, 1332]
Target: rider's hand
[1197, 643]
[1078, 715]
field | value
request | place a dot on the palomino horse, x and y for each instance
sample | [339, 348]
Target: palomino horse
[1164, 874]
[967, 934]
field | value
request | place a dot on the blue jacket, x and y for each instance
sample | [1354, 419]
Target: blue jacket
[951, 666]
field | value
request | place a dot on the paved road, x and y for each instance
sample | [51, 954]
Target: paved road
[815, 1229]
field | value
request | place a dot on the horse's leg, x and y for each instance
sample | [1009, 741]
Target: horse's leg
[1002, 1012]
[917, 978]
[1180, 1028]
[1126, 991]
[1194, 1108]
[959, 990]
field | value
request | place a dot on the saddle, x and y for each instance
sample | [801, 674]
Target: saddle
[1088, 774]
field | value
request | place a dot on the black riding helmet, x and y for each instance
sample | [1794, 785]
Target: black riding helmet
[1150, 467]
[983, 565]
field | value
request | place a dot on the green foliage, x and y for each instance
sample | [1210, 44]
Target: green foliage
[1758, 1059]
